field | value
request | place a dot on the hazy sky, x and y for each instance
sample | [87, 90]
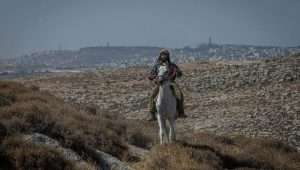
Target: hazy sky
[30, 25]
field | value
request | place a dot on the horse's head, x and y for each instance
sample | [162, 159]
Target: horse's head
[163, 73]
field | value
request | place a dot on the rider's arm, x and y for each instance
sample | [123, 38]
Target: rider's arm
[153, 72]
[178, 71]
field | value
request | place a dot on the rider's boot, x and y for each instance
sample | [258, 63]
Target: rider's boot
[182, 115]
[180, 109]
[152, 117]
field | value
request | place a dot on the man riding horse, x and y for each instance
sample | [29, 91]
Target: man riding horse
[174, 71]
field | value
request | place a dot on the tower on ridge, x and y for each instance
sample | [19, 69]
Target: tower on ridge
[210, 41]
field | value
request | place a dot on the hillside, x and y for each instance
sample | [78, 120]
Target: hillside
[242, 115]
[257, 98]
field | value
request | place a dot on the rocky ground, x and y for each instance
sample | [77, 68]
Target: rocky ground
[257, 98]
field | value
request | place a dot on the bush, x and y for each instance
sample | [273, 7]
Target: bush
[207, 151]
[19, 155]
[170, 157]
[6, 99]
[36, 111]
[139, 139]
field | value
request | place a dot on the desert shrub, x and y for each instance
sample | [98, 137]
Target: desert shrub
[139, 139]
[267, 153]
[13, 88]
[19, 155]
[169, 157]
[8, 92]
[5, 100]
[37, 111]
[243, 152]
[142, 133]
[208, 151]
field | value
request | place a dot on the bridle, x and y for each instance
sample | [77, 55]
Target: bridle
[163, 77]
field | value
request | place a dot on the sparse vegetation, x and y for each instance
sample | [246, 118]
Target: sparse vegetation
[139, 139]
[17, 154]
[207, 151]
[34, 111]
[106, 112]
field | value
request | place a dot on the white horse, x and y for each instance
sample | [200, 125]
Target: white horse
[166, 106]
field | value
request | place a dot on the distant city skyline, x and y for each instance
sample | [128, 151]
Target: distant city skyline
[35, 25]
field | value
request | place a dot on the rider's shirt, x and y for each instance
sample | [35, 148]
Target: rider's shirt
[174, 71]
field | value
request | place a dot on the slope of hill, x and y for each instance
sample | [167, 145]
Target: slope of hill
[254, 106]
[40, 131]
[257, 98]
[27, 110]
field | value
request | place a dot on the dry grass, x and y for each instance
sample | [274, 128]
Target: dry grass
[19, 155]
[239, 151]
[27, 110]
[206, 151]
[30, 110]
[142, 133]
[169, 157]
[139, 139]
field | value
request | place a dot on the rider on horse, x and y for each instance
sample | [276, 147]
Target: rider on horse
[174, 71]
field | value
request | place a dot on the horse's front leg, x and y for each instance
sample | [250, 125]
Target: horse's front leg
[163, 131]
[161, 128]
[172, 136]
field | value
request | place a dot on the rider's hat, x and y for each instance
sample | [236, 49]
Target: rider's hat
[164, 52]
[164, 55]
